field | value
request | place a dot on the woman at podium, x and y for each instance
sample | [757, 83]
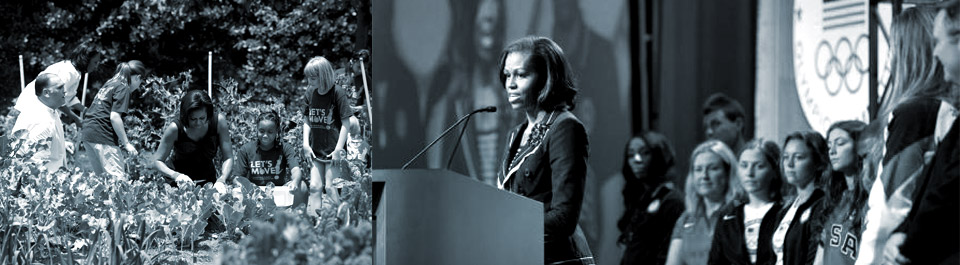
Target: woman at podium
[546, 156]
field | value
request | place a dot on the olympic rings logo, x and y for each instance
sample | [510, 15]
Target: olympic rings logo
[850, 72]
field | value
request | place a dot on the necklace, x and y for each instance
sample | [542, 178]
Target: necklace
[537, 131]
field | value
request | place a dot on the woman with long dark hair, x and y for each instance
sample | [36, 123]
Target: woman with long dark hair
[806, 166]
[845, 197]
[651, 202]
[195, 139]
[546, 158]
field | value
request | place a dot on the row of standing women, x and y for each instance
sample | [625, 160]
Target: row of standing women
[864, 194]
[757, 206]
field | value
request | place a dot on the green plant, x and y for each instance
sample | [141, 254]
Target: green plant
[70, 215]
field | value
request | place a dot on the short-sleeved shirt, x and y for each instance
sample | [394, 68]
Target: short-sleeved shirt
[697, 236]
[324, 114]
[113, 97]
[266, 166]
[840, 239]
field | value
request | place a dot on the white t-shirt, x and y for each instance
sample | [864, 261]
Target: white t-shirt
[752, 217]
[41, 122]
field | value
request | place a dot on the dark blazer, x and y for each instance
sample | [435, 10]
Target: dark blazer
[554, 173]
[933, 221]
[728, 245]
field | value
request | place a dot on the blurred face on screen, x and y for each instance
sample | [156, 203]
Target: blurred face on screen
[485, 26]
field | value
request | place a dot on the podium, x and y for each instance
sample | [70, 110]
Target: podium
[425, 216]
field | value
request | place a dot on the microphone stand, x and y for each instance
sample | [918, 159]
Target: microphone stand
[459, 138]
[445, 132]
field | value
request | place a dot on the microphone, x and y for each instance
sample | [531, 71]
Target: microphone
[486, 109]
[445, 132]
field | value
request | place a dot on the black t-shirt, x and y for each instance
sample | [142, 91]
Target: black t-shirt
[265, 166]
[113, 97]
[324, 114]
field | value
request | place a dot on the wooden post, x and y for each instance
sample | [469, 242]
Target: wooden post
[366, 90]
[86, 76]
[210, 74]
[22, 84]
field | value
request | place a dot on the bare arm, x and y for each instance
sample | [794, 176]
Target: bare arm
[308, 151]
[117, 121]
[70, 115]
[345, 126]
[819, 259]
[163, 150]
[295, 174]
[226, 146]
[674, 255]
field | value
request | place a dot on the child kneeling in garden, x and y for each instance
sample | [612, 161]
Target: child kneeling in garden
[326, 119]
[269, 159]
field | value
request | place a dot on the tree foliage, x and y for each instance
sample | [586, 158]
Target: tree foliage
[261, 44]
[260, 48]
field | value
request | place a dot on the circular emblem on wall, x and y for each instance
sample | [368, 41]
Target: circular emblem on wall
[831, 59]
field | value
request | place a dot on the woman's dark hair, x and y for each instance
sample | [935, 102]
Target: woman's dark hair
[558, 89]
[818, 150]
[771, 155]
[837, 184]
[194, 100]
[661, 165]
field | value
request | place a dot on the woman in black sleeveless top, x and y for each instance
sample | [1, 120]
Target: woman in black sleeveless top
[194, 140]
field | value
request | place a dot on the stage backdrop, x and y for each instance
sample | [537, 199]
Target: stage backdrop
[813, 60]
[437, 60]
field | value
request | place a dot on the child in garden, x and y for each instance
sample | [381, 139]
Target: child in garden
[269, 159]
[327, 117]
[103, 132]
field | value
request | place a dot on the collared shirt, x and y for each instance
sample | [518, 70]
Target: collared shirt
[41, 123]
